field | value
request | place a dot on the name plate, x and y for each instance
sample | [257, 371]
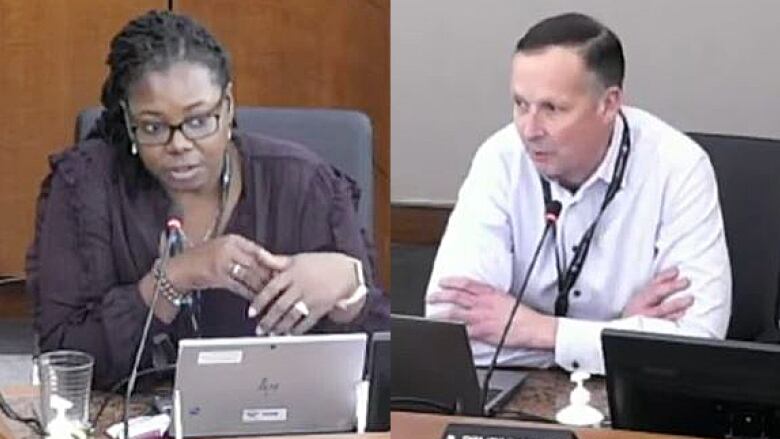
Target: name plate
[476, 431]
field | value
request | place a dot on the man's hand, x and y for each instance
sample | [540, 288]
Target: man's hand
[485, 311]
[651, 300]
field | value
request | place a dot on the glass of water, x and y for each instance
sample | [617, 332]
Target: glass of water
[67, 374]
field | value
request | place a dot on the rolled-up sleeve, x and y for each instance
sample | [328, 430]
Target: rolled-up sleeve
[478, 240]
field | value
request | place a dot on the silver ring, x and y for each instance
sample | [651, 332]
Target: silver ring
[301, 308]
[235, 271]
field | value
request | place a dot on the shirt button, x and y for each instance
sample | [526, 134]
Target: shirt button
[576, 293]
[575, 365]
[574, 248]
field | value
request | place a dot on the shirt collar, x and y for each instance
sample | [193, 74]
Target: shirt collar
[606, 170]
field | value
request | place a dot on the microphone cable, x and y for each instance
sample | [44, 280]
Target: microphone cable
[552, 210]
[173, 240]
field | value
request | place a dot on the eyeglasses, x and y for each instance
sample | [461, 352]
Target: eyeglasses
[195, 127]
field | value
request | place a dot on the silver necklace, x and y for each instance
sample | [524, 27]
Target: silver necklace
[224, 191]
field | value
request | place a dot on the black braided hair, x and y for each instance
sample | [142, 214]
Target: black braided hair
[152, 42]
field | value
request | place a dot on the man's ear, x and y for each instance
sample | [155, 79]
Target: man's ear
[611, 103]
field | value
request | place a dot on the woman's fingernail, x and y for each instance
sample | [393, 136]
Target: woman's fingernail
[251, 312]
[301, 307]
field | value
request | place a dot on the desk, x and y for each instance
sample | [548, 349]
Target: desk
[424, 426]
[545, 392]
[541, 396]
[23, 398]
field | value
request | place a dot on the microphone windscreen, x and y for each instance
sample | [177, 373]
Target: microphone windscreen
[175, 217]
[173, 223]
[551, 211]
[553, 208]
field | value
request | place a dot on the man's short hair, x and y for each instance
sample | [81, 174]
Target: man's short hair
[600, 47]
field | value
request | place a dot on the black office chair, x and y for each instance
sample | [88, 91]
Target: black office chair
[342, 137]
[748, 172]
[16, 335]
[17, 339]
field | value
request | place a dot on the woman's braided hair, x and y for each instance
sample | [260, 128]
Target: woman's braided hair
[152, 42]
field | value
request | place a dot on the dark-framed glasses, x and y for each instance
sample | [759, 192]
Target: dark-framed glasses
[158, 132]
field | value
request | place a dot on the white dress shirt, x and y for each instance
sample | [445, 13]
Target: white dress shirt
[666, 214]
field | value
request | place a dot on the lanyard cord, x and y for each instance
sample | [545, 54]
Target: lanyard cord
[567, 280]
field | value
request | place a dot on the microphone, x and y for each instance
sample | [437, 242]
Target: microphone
[174, 237]
[173, 245]
[551, 211]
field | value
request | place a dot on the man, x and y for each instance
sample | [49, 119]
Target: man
[656, 258]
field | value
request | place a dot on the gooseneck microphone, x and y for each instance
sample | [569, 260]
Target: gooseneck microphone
[551, 211]
[173, 245]
[174, 238]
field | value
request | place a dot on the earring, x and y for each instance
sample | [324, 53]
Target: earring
[133, 149]
[230, 134]
[226, 173]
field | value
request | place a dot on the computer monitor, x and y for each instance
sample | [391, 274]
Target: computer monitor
[378, 374]
[435, 370]
[694, 386]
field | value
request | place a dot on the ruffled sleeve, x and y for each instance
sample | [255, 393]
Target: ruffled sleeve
[79, 302]
[330, 223]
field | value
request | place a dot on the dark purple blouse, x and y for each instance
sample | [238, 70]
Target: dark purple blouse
[97, 235]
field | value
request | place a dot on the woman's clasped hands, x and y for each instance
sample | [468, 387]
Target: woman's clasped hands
[286, 294]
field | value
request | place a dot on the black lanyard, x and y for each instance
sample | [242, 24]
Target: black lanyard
[566, 282]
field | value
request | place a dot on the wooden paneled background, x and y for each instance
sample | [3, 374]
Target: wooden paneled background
[315, 53]
[53, 55]
[326, 53]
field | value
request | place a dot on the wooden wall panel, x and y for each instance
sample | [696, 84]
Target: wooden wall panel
[53, 55]
[418, 224]
[313, 53]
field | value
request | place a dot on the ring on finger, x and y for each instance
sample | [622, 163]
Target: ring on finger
[236, 270]
[301, 307]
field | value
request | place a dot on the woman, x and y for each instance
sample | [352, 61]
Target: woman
[271, 239]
